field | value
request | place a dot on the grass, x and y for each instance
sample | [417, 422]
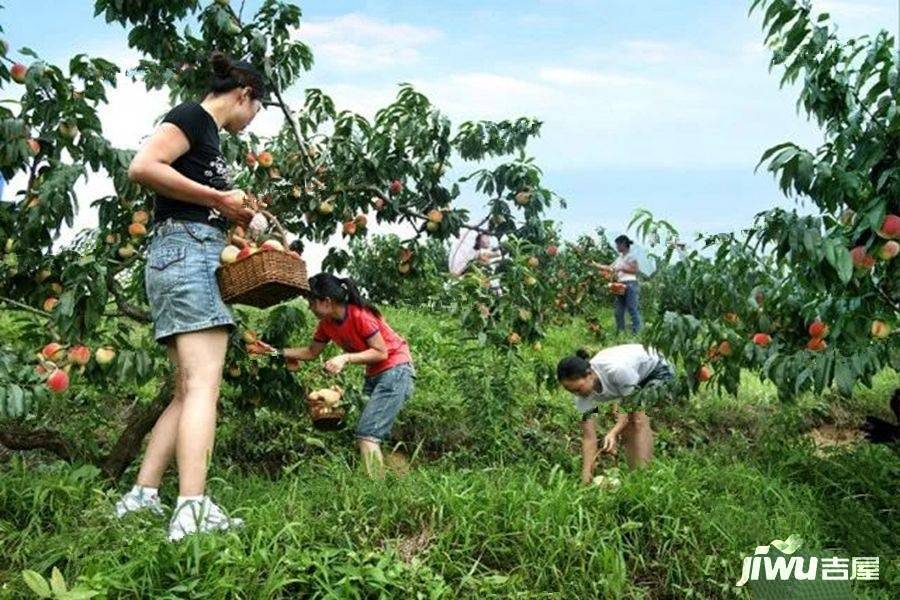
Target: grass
[490, 507]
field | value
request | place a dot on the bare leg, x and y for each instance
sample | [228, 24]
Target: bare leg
[161, 447]
[372, 458]
[201, 357]
[638, 440]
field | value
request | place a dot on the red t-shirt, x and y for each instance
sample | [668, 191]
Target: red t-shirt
[353, 333]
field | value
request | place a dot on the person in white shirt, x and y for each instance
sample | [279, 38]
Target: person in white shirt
[612, 374]
[625, 269]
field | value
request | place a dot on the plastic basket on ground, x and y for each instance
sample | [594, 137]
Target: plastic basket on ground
[325, 410]
[265, 278]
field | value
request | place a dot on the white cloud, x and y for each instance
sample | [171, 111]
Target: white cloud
[357, 42]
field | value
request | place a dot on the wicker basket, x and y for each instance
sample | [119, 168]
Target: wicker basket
[264, 279]
[325, 418]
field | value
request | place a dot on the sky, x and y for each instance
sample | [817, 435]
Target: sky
[665, 104]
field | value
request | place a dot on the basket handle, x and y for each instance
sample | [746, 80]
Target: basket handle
[274, 221]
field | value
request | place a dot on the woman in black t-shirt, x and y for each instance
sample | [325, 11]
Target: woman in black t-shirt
[183, 163]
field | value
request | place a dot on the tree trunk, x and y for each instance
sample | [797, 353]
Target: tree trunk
[140, 421]
[16, 438]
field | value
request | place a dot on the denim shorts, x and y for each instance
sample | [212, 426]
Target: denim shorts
[180, 277]
[387, 393]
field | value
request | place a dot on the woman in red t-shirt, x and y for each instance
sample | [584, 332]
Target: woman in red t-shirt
[366, 338]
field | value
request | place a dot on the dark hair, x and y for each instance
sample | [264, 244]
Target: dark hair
[230, 74]
[478, 240]
[326, 285]
[573, 367]
[624, 239]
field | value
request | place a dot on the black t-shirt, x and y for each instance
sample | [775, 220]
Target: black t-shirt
[203, 163]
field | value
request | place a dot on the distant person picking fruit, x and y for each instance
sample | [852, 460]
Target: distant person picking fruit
[183, 163]
[366, 338]
[613, 374]
[625, 270]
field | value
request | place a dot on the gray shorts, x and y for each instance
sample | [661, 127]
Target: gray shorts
[387, 392]
[180, 279]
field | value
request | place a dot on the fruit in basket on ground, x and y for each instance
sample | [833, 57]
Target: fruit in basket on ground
[265, 159]
[229, 254]
[330, 397]
[272, 245]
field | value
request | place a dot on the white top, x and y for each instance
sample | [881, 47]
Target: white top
[622, 261]
[620, 369]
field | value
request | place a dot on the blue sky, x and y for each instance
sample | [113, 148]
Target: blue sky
[664, 104]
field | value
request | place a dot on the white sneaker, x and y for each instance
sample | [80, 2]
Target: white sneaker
[136, 500]
[200, 516]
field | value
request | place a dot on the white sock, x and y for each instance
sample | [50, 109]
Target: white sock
[144, 491]
[183, 499]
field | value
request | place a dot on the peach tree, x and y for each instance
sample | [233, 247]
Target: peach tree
[809, 299]
[78, 312]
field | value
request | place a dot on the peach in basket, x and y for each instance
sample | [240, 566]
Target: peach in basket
[325, 408]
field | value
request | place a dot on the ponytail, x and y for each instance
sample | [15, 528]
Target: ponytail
[355, 298]
[574, 367]
[229, 74]
[326, 285]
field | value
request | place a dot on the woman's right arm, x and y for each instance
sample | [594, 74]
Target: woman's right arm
[588, 449]
[307, 353]
[152, 167]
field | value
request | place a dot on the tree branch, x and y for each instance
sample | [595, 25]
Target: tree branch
[125, 307]
[37, 439]
[25, 307]
[290, 119]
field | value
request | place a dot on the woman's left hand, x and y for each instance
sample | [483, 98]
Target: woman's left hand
[609, 443]
[336, 364]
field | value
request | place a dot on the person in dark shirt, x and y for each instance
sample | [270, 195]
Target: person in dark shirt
[183, 163]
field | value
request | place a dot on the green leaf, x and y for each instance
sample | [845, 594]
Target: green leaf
[57, 583]
[37, 583]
